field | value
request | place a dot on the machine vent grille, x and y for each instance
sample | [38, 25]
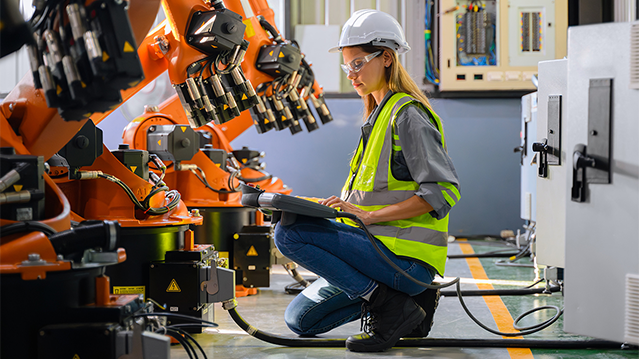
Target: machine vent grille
[632, 309]
[634, 56]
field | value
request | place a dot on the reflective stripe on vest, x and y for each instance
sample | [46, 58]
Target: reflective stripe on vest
[371, 186]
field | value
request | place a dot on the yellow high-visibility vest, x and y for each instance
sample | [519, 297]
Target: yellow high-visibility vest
[371, 186]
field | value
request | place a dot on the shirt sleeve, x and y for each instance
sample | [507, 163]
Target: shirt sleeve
[427, 160]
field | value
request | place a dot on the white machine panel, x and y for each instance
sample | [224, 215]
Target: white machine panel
[602, 244]
[551, 190]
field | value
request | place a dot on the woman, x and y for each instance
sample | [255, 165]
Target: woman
[401, 184]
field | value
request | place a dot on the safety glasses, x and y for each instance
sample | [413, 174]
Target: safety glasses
[356, 65]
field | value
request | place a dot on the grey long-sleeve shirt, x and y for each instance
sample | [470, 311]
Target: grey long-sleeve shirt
[422, 158]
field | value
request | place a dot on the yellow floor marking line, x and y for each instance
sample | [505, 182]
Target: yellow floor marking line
[497, 308]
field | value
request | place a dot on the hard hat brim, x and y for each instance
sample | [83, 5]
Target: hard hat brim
[335, 49]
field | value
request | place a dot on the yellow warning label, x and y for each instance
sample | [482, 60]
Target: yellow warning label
[213, 46]
[134, 83]
[133, 168]
[277, 71]
[280, 55]
[76, 356]
[160, 143]
[225, 107]
[88, 114]
[183, 128]
[173, 287]
[128, 47]
[105, 56]
[17, 187]
[129, 290]
[58, 90]
[83, 84]
[244, 97]
[270, 53]
[266, 120]
[249, 32]
[283, 118]
[218, 164]
[244, 160]
[251, 252]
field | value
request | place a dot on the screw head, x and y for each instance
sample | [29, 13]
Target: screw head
[593, 133]
[82, 142]
[34, 257]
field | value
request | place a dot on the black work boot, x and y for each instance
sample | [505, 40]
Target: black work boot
[428, 301]
[389, 316]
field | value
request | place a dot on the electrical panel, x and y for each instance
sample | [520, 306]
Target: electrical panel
[496, 45]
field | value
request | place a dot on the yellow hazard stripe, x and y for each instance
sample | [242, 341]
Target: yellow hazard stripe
[497, 308]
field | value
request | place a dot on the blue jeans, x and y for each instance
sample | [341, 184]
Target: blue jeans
[345, 258]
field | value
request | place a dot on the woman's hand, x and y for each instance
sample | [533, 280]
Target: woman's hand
[336, 202]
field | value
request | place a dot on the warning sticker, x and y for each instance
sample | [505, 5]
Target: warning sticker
[76, 356]
[249, 32]
[173, 287]
[129, 290]
[251, 252]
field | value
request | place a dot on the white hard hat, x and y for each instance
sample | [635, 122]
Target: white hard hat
[372, 27]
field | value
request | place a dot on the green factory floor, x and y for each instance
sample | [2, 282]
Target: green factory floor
[265, 311]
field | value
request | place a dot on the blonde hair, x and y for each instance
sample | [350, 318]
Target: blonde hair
[398, 80]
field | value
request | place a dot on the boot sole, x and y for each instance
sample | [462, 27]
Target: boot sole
[404, 329]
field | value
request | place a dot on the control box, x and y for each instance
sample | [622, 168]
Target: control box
[496, 45]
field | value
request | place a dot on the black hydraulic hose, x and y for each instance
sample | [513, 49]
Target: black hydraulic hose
[425, 342]
[518, 291]
[270, 28]
[282, 340]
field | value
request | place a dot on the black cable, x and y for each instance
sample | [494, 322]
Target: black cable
[500, 292]
[206, 183]
[175, 315]
[425, 342]
[26, 226]
[185, 344]
[189, 337]
[541, 326]
[191, 325]
[144, 205]
[217, 61]
[493, 254]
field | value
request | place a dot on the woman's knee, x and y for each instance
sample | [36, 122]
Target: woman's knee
[293, 319]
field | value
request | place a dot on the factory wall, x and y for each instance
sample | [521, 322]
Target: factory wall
[481, 135]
